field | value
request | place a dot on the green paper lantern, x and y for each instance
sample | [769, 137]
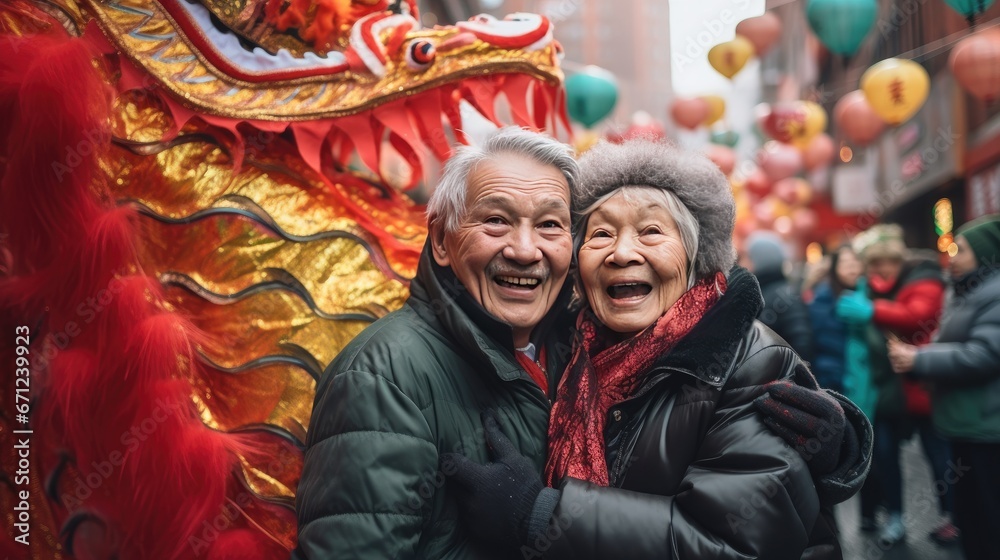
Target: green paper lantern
[726, 138]
[842, 25]
[969, 8]
[591, 95]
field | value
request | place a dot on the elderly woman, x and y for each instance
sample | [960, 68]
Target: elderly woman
[655, 443]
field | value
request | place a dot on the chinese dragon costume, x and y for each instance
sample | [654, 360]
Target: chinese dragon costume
[201, 202]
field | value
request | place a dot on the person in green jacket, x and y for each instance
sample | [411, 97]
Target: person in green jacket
[962, 365]
[486, 327]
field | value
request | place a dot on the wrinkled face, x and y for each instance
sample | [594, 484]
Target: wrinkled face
[632, 261]
[885, 268]
[849, 268]
[964, 260]
[512, 250]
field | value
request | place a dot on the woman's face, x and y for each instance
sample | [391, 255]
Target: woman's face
[848, 269]
[632, 263]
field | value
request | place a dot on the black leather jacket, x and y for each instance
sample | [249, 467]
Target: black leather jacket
[694, 471]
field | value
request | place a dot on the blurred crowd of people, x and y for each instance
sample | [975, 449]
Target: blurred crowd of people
[917, 348]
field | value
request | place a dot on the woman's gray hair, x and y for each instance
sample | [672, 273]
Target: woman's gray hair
[691, 177]
[687, 226]
[447, 203]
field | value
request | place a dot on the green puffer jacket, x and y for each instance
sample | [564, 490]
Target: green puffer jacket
[963, 363]
[412, 386]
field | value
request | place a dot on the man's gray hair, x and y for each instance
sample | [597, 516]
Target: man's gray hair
[447, 204]
[687, 226]
[691, 177]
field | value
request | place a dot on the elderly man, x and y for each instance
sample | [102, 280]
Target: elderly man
[414, 383]
[486, 327]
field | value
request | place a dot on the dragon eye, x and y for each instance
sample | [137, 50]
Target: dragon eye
[420, 54]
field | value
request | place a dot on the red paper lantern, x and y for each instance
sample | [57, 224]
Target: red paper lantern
[856, 118]
[975, 62]
[758, 183]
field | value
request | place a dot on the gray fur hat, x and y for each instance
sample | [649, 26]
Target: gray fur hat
[690, 176]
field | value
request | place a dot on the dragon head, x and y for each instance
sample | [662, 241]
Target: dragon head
[348, 77]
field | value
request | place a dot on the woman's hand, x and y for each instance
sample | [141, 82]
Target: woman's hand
[807, 419]
[901, 355]
[498, 500]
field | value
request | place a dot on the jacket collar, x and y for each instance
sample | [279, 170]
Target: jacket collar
[708, 351]
[439, 297]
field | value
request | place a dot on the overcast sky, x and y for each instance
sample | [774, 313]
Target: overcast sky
[695, 27]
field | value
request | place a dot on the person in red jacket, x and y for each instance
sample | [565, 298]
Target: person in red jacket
[904, 301]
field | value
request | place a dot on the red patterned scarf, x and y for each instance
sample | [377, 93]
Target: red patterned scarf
[601, 375]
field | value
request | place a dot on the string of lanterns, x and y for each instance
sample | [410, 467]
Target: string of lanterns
[889, 93]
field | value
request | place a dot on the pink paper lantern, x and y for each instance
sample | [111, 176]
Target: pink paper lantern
[975, 62]
[722, 156]
[819, 153]
[856, 118]
[763, 31]
[804, 220]
[779, 160]
[689, 113]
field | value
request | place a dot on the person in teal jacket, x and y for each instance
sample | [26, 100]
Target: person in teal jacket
[857, 381]
[963, 366]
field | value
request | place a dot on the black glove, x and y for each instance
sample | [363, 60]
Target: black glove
[810, 420]
[498, 500]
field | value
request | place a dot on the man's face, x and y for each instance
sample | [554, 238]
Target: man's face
[512, 249]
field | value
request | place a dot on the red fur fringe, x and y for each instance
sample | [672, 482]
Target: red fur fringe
[112, 377]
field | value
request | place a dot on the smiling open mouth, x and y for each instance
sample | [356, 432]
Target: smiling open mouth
[629, 290]
[517, 282]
